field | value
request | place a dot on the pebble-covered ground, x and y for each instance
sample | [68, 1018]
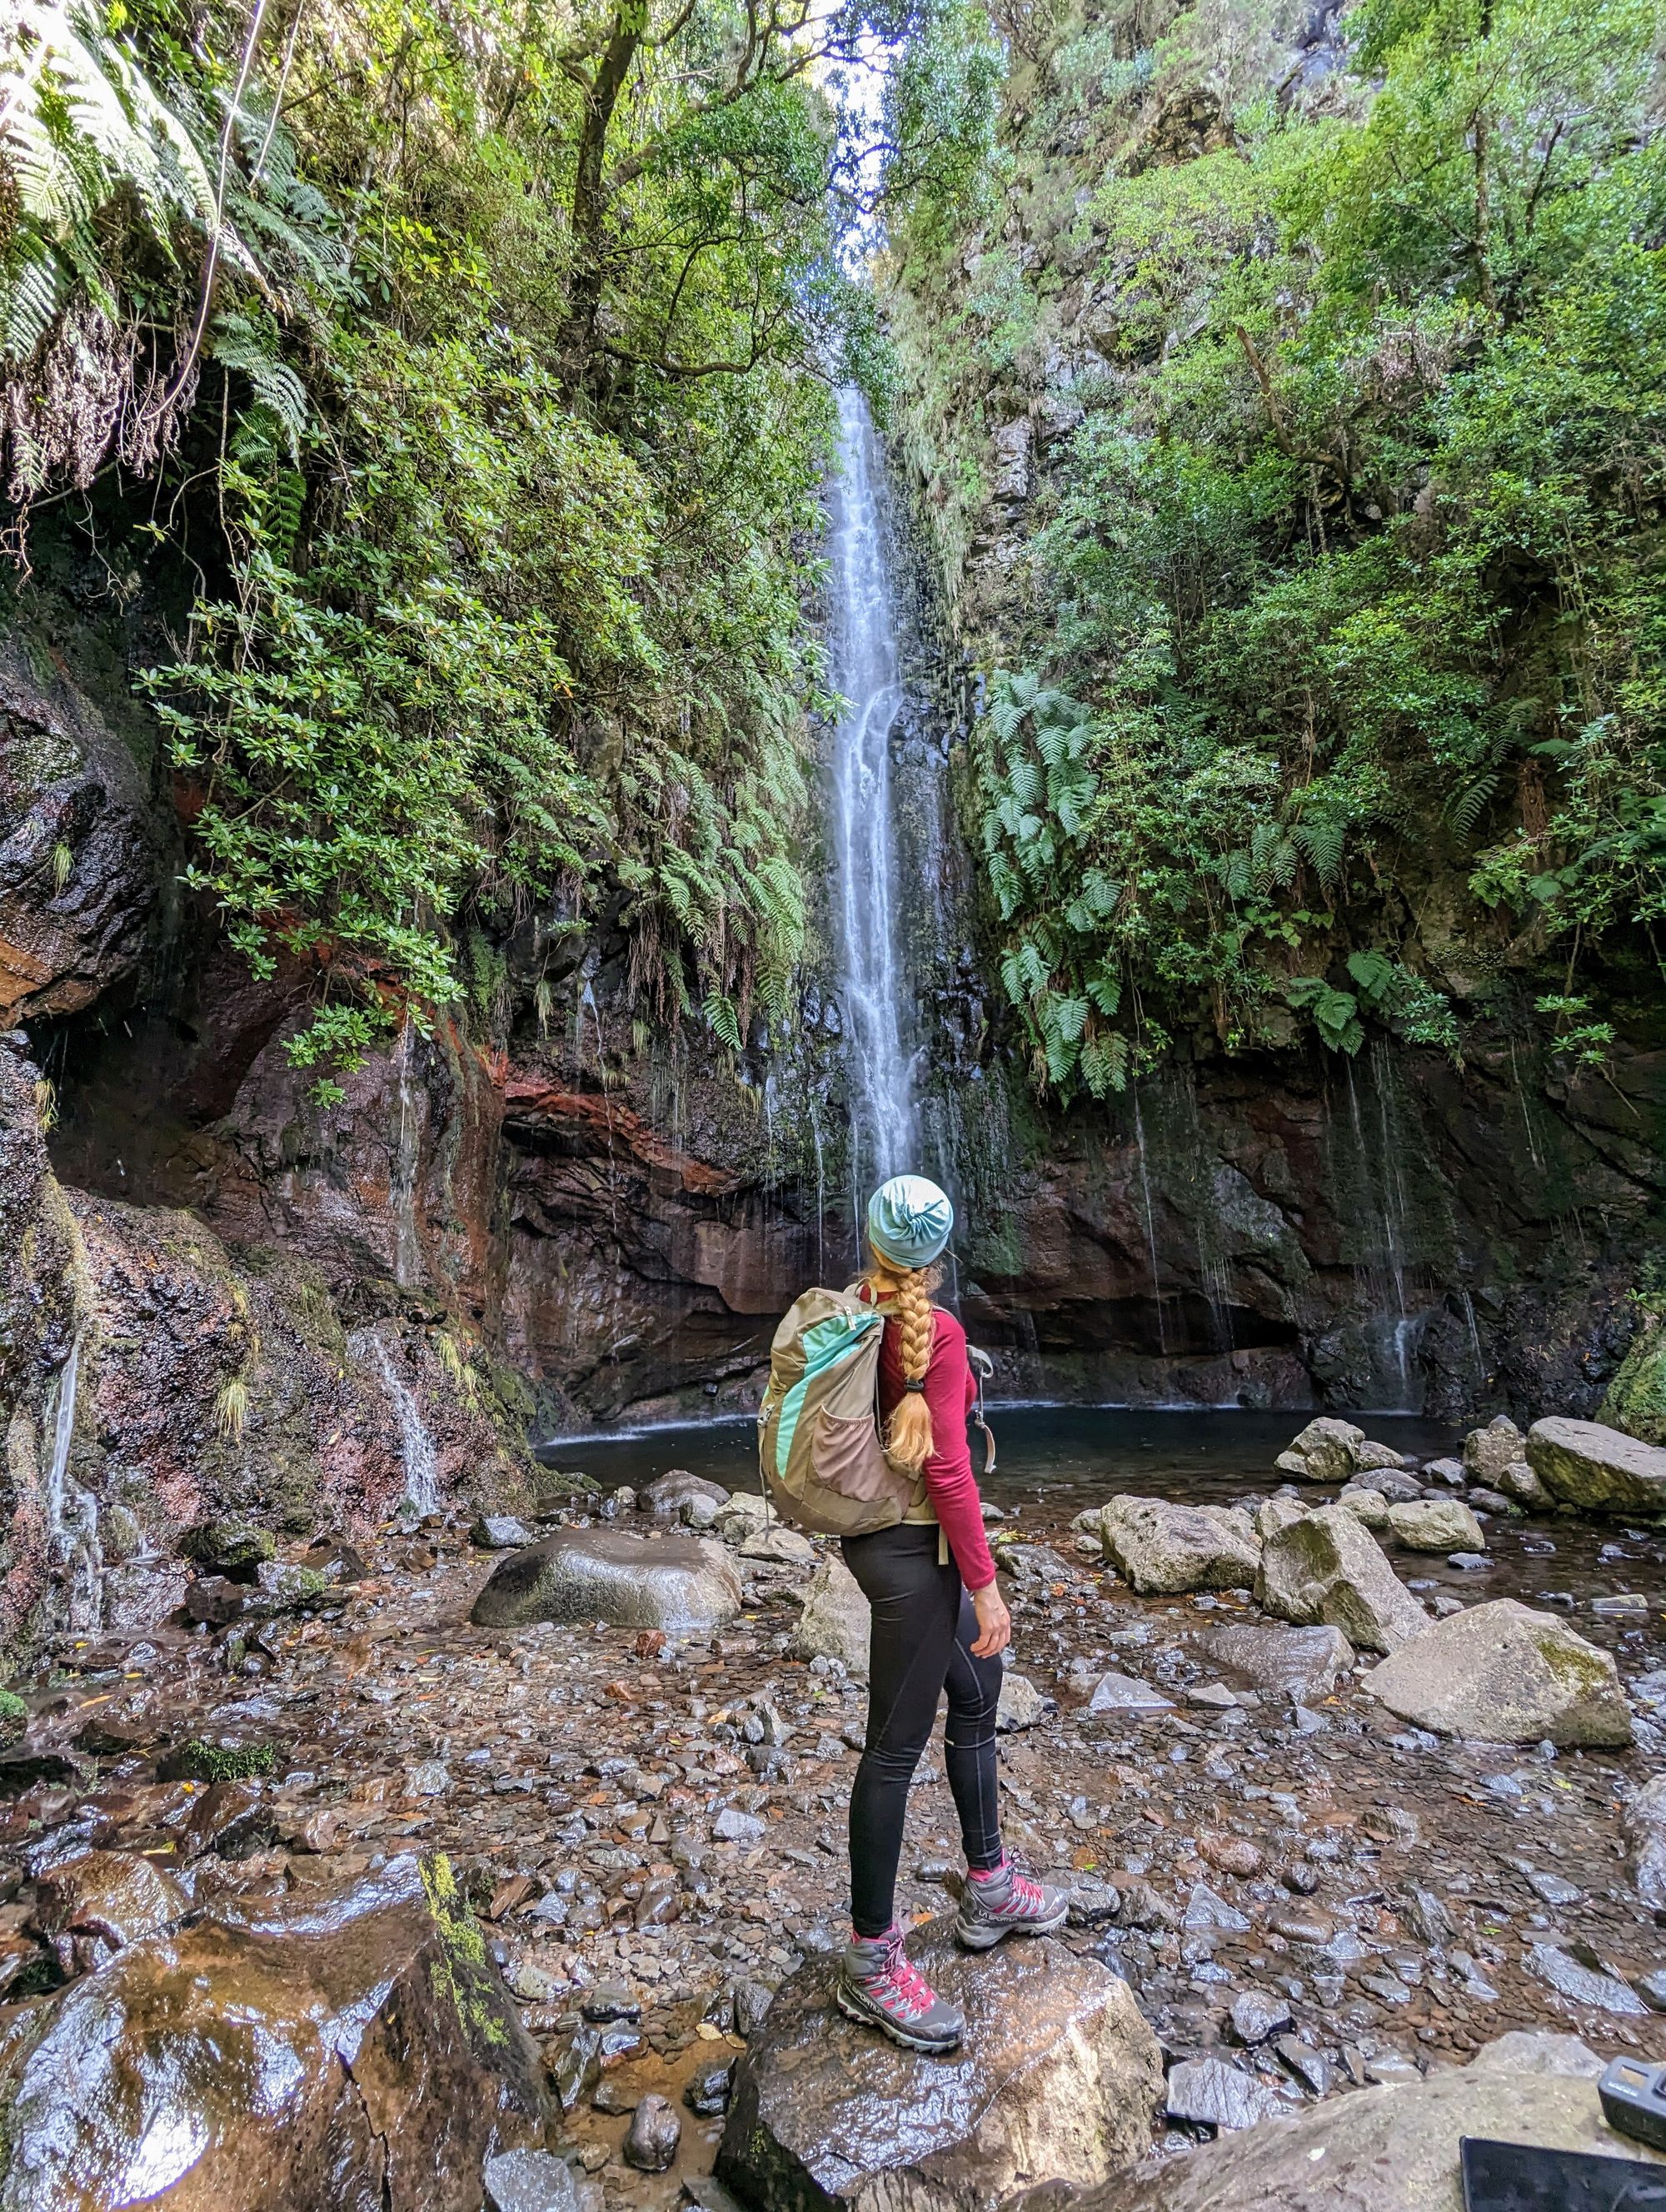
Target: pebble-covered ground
[654, 1829]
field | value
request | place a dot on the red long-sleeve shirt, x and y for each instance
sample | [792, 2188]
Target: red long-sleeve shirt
[951, 1485]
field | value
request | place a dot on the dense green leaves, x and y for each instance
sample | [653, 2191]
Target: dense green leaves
[1352, 573]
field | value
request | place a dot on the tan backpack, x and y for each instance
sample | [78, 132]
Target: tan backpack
[822, 1459]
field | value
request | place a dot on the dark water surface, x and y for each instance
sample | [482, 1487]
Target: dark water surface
[1055, 1459]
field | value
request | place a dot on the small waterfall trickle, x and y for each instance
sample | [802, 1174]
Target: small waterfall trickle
[1151, 1225]
[866, 668]
[421, 1461]
[73, 1539]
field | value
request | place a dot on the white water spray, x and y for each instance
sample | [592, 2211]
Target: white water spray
[422, 1493]
[867, 668]
[72, 1513]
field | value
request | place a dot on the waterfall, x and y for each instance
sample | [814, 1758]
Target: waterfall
[72, 1513]
[421, 1491]
[1151, 1224]
[866, 668]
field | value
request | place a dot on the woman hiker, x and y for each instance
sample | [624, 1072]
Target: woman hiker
[939, 1622]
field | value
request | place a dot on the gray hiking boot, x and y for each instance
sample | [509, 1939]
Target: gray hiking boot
[878, 1984]
[1008, 1903]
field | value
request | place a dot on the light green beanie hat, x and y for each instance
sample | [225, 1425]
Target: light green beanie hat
[910, 1221]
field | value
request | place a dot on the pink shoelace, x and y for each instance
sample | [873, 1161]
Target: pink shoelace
[902, 1985]
[1027, 1894]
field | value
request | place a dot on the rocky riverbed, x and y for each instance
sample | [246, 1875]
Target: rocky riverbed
[1304, 1892]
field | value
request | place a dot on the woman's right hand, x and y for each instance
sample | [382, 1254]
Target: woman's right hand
[995, 1623]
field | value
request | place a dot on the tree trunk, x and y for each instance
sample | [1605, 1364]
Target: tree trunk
[590, 195]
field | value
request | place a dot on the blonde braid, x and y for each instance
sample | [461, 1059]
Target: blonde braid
[909, 1438]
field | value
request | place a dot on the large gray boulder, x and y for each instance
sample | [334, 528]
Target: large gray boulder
[1058, 2078]
[836, 1619]
[1436, 1524]
[1298, 1663]
[680, 1583]
[1502, 1674]
[1391, 2149]
[1598, 1469]
[1328, 1568]
[1488, 1451]
[1323, 1452]
[1163, 1549]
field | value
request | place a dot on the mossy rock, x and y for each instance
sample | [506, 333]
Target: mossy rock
[201, 1761]
[14, 1718]
[1637, 1396]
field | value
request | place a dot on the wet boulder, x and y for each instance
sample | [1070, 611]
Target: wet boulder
[1388, 2149]
[1503, 1673]
[91, 1907]
[1296, 1662]
[1326, 1568]
[679, 1583]
[1163, 1549]
[358, 2051]
[1436, 1524]
[1275, 1513]
[1323, 1452]
[836, 1620]
[743, 1516]
[668, 1498]
[1523, 1487]
[1488, 1451]
[1058, 2078]
[1598, 1469]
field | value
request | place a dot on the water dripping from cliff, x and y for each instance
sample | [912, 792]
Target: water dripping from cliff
[866, 670]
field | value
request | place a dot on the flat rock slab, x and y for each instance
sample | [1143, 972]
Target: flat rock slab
[679, 1583]
[1391, 2149]
[1058, 2078]
[1599, 1469]
[1503, 1673]
[358, 2052]
[1302, 1663]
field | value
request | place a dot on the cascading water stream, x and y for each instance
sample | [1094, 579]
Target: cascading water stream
[866, 668]
[417, 1452]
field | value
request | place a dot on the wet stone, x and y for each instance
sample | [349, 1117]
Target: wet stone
[1209, 1913]
[1582, 1985]
[95, 1905]
[1093, 1903]
[710, 2086]
[654, 2133]
[1303, 1662]
[1210, 2092]
[1125, 1693]
[1311, 2068]
[529, 2181]
[1257, 2015]
[498, 1532]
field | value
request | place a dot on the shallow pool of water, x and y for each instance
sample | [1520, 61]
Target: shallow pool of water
[1059, 1458]
[1055, 1459]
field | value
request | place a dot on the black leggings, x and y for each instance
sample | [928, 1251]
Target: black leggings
[923, 1631]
